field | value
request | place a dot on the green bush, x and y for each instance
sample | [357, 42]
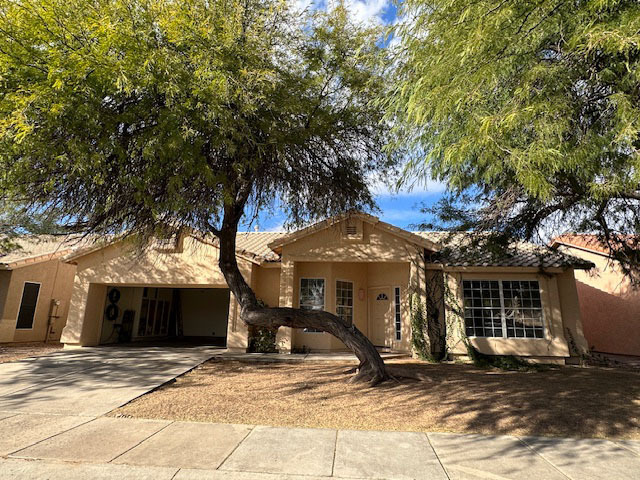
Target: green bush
[263, 340]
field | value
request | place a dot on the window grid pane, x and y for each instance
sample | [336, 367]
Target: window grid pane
[344, 301]
[487, 302]
[312, 296]
[523, 309]
[482, 308]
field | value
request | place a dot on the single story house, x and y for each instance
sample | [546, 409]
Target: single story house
[609, 304]
[522, 303]
[35, 289]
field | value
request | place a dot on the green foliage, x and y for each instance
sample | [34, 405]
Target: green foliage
[529, 108]
[263, 340]
[148, 115]
[419, 327]
[502, 362]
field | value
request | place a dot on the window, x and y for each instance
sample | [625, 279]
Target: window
[511, 309]
[312, 296]
[28, 304]
[154, 314]
[344, 301]
[398, 317]
[382, 296]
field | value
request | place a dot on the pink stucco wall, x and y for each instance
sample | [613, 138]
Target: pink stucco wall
[609, 306]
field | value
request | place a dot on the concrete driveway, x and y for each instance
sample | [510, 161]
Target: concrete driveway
[92, 381]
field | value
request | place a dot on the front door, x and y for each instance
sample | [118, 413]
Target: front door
[379, 315]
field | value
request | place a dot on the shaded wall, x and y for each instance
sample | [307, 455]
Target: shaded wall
[56, 280]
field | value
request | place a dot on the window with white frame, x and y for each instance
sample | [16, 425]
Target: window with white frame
[312, 296]
[28, 303]
[398, 316]
[344, 300]
[503, 308]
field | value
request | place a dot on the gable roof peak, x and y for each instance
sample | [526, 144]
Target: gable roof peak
[277, 244]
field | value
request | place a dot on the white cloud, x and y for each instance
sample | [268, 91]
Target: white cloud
[364, 11]
[367, 11]
[430, 187]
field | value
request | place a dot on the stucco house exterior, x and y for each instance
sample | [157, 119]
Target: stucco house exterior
[609, 304]
[371, 273]
[35, 289]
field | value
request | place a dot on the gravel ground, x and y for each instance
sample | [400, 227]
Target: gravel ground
[10, 352]
[566, 401]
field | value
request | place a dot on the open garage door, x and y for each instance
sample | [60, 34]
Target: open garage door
[193, 315]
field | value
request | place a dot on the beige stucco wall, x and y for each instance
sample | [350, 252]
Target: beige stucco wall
[266, 284]
[55, 279]
[609, 305]
[378, 259]
[560, 311]
[196, 265]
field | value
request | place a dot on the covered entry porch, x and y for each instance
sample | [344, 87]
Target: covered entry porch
[374, 296]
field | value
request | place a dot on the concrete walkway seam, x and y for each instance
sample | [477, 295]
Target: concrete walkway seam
[236, 447]
[530, 447]
[435, 452]
[140, 442]
[13, 454]
[335, 448]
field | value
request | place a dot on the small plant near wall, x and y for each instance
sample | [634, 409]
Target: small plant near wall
[419, 338]
[262, 340]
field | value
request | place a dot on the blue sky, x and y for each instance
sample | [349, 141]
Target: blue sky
[402, 208]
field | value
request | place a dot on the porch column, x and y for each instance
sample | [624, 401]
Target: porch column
[287, 277]
[237, 330]
[417, 286]
[84, 320]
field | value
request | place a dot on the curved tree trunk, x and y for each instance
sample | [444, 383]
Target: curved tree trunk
[371, 368]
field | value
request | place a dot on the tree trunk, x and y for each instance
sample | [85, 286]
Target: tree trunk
[371, 368]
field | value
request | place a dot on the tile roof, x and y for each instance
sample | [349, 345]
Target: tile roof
[460, 250]
[592, 242]
[39, 248]
[457, 250]
[256, 245]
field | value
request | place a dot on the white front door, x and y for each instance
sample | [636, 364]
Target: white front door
[380, 315]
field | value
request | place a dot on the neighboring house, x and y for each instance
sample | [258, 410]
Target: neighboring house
[522, 303]
[609, 304]
[35, 288]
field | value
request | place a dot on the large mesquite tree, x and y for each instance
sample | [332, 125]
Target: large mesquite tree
[529, 111]
[145, 117]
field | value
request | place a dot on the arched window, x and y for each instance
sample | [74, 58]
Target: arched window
[382, 296]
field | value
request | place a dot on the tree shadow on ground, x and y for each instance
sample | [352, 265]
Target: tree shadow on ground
[567, 401]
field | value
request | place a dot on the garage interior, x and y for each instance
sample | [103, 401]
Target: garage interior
[165, 314]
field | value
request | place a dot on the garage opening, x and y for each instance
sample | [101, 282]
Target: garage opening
[157, 314]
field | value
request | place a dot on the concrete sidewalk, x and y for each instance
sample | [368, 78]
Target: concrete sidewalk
[70, 447]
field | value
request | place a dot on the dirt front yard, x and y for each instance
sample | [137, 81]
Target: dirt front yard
[567, 401]
[10, 352]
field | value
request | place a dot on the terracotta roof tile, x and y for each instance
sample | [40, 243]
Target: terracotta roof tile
[39, 248]
[592, 242]
[459, 250]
